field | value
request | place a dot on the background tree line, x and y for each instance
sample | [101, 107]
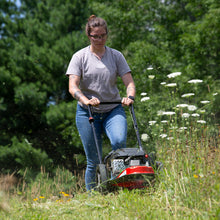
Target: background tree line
[37, 40]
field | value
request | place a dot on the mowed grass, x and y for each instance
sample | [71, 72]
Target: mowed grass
[187, 188]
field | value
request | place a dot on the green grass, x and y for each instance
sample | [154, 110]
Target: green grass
[188, 188]
[186, 140]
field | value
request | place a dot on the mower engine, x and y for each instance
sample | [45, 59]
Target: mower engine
[118, 165]
[129, 168]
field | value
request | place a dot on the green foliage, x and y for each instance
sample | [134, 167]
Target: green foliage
[57, 114]
[29, 97]
[22, 155]
[37, 42]
[62, 118]
[38, 39]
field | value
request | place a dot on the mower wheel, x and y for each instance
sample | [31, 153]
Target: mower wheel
[101, 177]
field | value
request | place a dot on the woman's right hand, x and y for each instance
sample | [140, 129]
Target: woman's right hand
[93, 101]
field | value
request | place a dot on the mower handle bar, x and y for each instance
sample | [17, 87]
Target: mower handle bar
[91, 120]
[106, 103]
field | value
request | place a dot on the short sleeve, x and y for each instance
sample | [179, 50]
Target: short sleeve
[75, 66]
[122, 65]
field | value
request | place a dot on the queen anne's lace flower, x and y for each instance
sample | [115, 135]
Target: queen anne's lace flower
[144, 137]
[182, 105]
[192, 107]
[201, 121]
[195, 81]
[195, 115]
[152, 122]
[164, 121]
[163, 135]
[171, 85]
[185, 115]
[187, 95]
[172, 75]
[205, 102]
[150, 68]
[145, 99]
[151, 76]
[168, 113]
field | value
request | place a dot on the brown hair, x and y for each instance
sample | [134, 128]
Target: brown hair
[94, 21]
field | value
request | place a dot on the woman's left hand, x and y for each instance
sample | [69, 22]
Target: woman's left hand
[126, 101]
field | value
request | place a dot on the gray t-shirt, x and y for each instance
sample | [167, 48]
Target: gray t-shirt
[99, 77]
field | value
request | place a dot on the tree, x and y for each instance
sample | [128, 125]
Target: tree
[38, 40]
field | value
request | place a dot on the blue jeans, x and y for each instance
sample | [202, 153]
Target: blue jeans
[113, 123]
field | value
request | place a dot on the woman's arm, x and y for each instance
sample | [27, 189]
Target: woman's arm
[76, 93]
[131, 91]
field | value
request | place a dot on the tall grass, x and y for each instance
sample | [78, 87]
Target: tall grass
[188, 187]
[183, 131]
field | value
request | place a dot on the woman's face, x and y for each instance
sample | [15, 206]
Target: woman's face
[98, 37]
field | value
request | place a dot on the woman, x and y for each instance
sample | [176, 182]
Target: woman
[93, 72]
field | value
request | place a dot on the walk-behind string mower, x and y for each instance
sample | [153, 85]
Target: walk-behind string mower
[130, 168]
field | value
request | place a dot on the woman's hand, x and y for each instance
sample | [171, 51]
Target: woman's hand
[126, 101]
[93, 101]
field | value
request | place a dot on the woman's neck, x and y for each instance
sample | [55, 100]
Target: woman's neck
[98, 52]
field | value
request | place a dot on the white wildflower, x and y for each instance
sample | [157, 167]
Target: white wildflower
[164, 121]
[170, 138]
[163, 83]
[187, 95]
[192, 107]
[152, 122]
[144, 137]
[182, 128]
[163, 135]
[143, 93]
[185, 115]
[182, 105]
[145, 99]
[150, 68]
[195, 115]
[151, 76]
[172, 75]
[195, 81]
[168, 113]
[201, 121]
[204, 102]
[171, 85]
[214, 94]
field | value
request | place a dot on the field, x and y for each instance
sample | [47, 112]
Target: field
[186, 138]
[188, 187]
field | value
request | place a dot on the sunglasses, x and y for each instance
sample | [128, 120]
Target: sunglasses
[96, 37]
